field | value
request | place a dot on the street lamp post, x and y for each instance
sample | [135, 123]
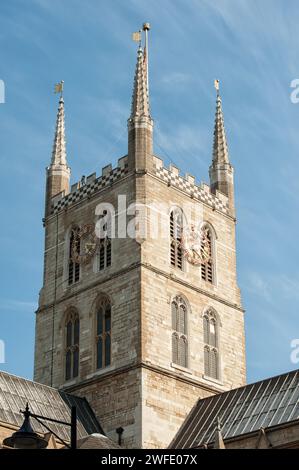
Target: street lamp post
[26, 438]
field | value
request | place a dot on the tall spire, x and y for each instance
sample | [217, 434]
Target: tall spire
[59, 148]
[220, 148]
[58, 173]
[140, 123]
[221, 171]
[140, 98]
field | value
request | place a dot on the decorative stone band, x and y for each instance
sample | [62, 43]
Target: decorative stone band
[91, 185]
[171, 176]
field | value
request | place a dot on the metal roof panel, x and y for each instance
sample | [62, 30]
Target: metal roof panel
[246, 409]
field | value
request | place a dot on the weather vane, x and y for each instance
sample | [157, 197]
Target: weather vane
[137, 37]
[59, 88]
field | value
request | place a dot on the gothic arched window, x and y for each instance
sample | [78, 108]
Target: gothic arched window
[207, 269]
[73, 268]
[104, 250]
[179, 335]
[103, 333]
[72, 339]
[211, 344]
[176, 228]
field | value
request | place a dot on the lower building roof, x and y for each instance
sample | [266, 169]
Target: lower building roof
[97, 441]
[263, 404]
[15, 392]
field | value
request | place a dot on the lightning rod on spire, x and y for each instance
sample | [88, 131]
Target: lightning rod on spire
[146, 27]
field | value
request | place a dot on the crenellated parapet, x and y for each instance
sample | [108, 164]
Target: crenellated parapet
[171, 176]
[187, 184]
[90, 185]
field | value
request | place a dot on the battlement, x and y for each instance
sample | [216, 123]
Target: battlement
[188, 185]
[89, 185]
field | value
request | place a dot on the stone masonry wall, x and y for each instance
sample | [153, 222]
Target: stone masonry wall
[141, 390]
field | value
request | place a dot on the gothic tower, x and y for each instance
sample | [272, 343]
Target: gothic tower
[140, 310]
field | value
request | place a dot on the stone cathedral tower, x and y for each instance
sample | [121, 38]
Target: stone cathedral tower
[141, 326]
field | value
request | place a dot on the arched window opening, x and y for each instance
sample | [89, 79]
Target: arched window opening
[104, 250]
[72, 340]
[179, 334]
[176, 228]
[211, 347]
[73, 267]
[103, 334]
[207, 267]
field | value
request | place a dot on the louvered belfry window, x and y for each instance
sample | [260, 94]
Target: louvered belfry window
[176, 227]
[104, 250]
[179, 334]
[73, 268]
[103, 334]
[207, 268]
[211, 345]
[72, 339]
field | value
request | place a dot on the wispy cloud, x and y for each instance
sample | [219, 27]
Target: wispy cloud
[21, 306]
[176, 78]
[183, 144]
[273, 287]
[256, 285]
[250, 45]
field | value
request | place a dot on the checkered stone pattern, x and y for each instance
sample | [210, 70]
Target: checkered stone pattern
[89, 189]
[195, 191]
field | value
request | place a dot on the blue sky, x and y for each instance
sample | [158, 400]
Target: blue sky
[252, 46]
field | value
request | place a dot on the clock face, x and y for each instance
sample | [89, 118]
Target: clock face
[84, 244]
[196, 245]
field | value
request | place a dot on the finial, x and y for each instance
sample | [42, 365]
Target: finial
[26, 413]
[59, 146]
[218, 442]
[146, 26]
[220, 148]
[140, 99]
[59, 88]
[219, 423]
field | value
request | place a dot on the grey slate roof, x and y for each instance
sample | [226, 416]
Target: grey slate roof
[242, 410]
[15, 392]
